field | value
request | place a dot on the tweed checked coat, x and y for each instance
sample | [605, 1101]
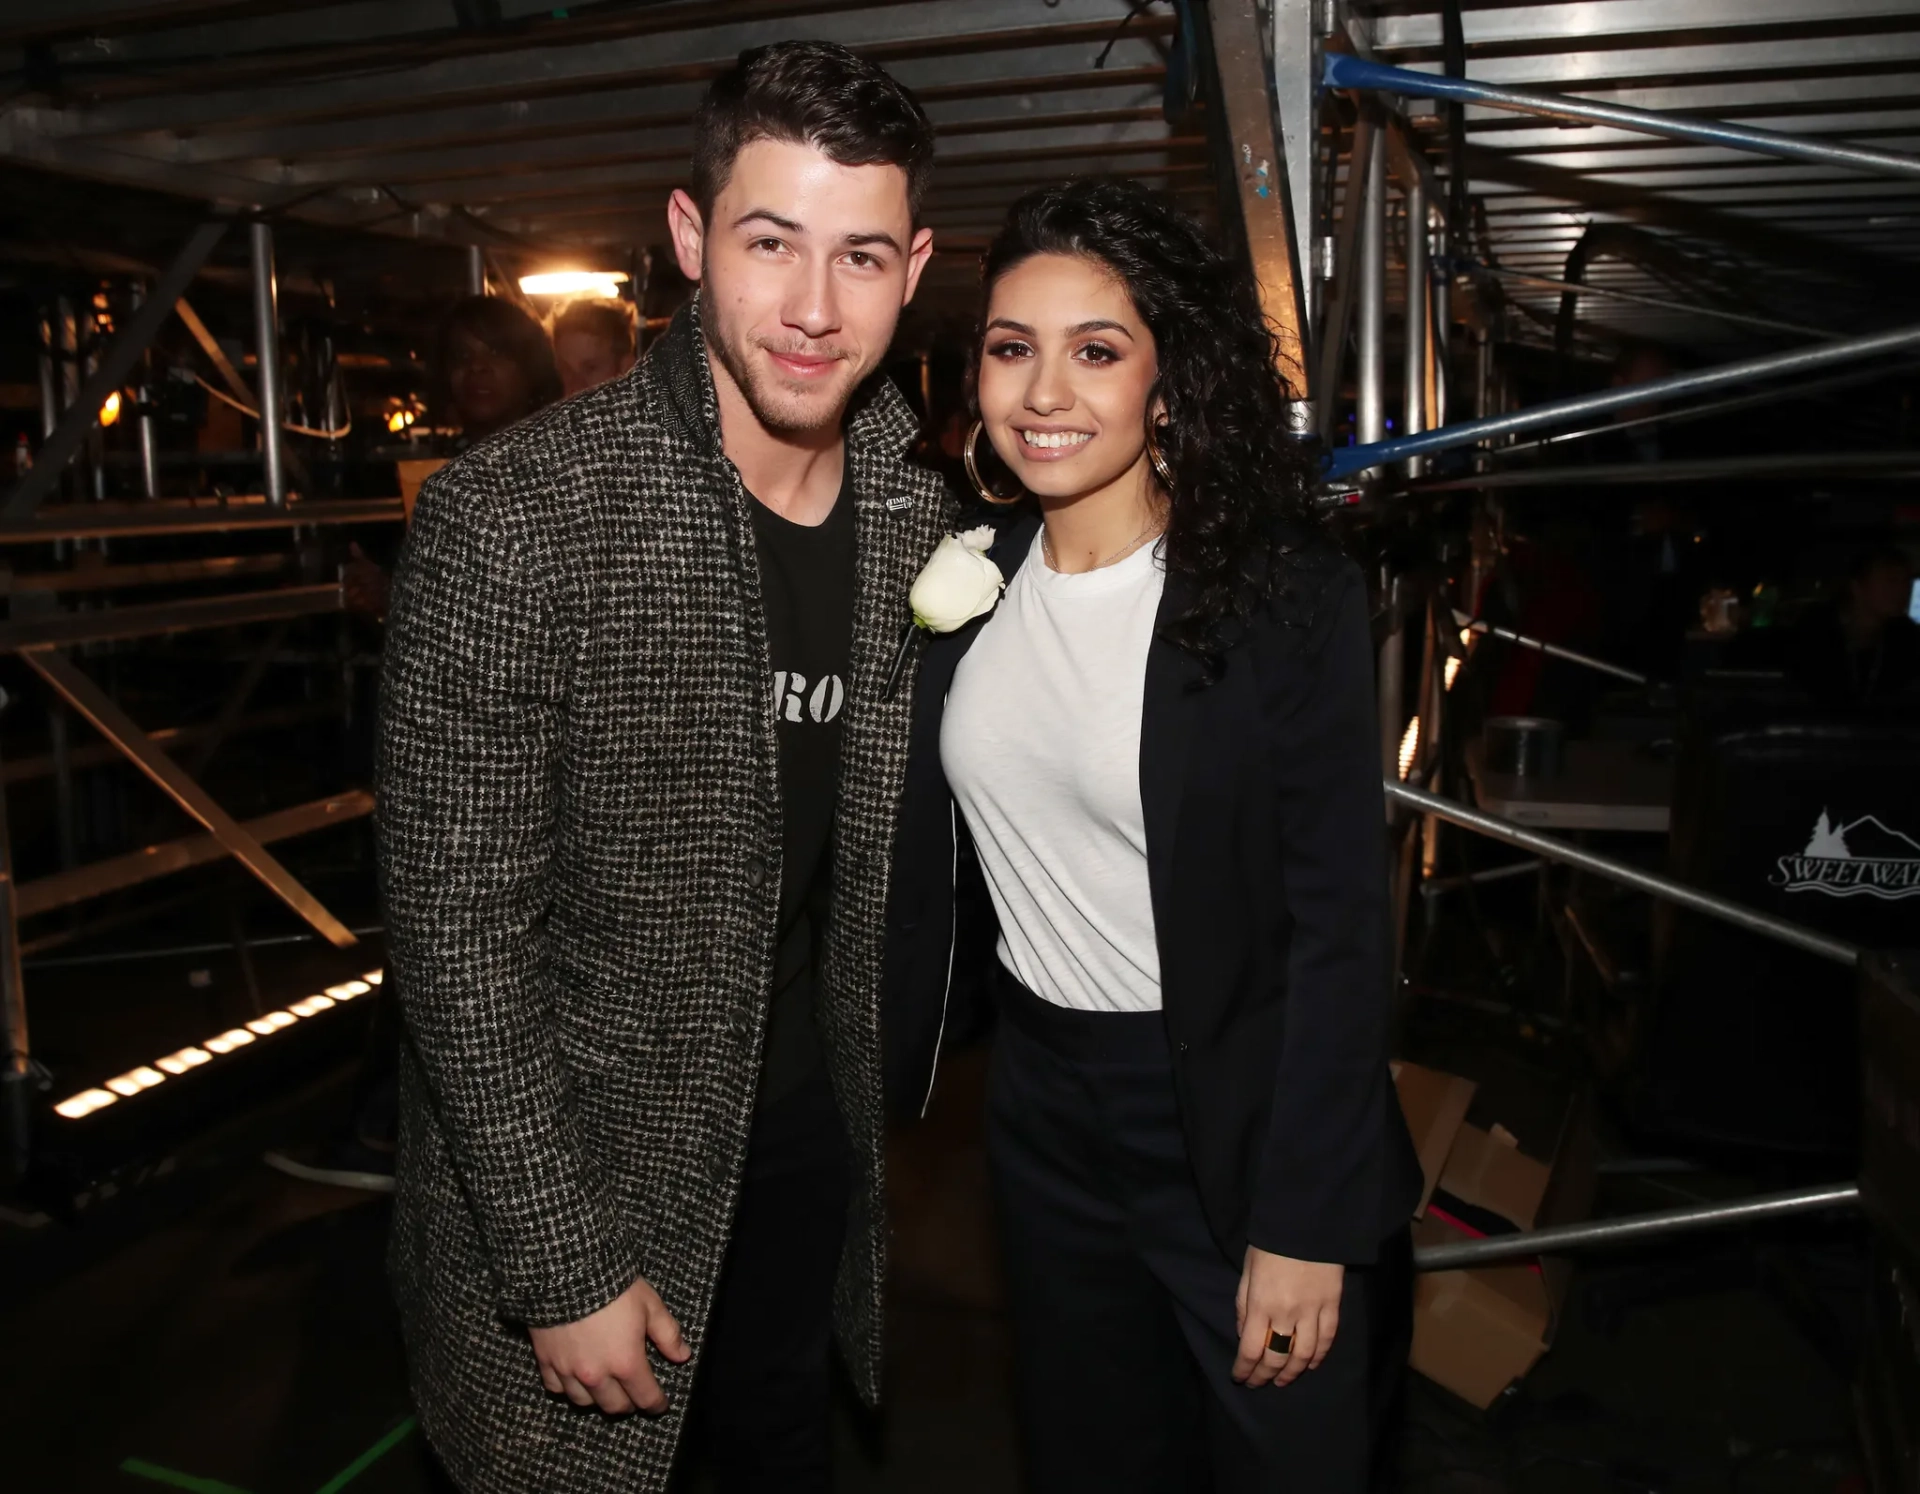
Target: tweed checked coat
[579, 822]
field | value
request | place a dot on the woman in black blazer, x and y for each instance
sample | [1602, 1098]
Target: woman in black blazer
[1159, 754]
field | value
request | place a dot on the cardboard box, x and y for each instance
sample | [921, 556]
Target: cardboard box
[1476, 1331]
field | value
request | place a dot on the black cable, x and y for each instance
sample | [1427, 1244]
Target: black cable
[1118, 31]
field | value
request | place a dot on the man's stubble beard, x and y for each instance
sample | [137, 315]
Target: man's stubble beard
[765, 403]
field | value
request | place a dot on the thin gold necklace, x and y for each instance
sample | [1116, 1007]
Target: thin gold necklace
[1046, 546]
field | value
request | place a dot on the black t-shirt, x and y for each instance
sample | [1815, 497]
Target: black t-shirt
[806, 582]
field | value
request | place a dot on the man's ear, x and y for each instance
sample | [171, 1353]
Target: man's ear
[688, 231]
[918, 253]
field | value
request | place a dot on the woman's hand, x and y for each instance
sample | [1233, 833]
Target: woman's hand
[1282, 1295]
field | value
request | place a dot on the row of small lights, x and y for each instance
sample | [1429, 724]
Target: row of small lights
[147, 1076]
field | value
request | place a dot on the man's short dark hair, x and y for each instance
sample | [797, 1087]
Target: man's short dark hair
[810, 93]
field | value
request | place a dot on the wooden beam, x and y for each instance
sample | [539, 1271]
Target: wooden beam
[115, 873]
[144, 753]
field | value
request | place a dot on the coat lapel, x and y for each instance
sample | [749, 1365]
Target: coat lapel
[1168, 712]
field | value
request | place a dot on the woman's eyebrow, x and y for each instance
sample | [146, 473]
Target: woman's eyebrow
[1010, 325]
[1080, 329]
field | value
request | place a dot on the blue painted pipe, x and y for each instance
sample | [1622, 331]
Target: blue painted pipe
[1344, 461]
[1345, 71]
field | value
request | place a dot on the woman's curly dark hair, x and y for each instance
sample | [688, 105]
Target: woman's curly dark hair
[1241, 494]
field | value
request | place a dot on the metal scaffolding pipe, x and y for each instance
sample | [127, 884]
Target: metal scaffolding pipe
[1371, 359]
[266, 341]
[1552, 650]
[1819, 466]
[1681, 414]
[1346, 460]
[1568, 854]
[476, 270]
[1613, 293]
[144, 422]
[1345, 71]
[1632, 1228]
[1413, 366]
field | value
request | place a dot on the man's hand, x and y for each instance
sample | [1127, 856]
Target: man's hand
[602, 1359]
[1282, 1295]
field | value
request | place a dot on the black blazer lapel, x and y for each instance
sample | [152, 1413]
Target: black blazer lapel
[1168, 714]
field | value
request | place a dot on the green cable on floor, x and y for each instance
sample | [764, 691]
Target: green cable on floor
[140, 1468]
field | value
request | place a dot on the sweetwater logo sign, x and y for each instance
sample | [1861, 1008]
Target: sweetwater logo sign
[1862, 859]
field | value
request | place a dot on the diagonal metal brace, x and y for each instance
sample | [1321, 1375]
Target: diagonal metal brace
[116, 363]
[144, 753]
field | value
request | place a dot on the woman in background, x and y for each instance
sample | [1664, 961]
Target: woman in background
[1162, 745]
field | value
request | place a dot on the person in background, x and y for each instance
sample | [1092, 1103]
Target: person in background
[493, 367]
[1864, 650]
[593, 341]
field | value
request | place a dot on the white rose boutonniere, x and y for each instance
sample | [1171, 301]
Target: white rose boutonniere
[957, 584]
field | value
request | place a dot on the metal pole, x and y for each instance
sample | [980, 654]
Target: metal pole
[1619, 871]
[143, 400]
[1829, 465]
[1413, 403]
[1344, 71]
[1552, 650]
[16, 1083]
[266, 341]
[1338, 321]
[1345, 461]
[1612, 293]
[476, 270]
[83, 404]
[1704, 411]
[1631, 1228]
[1371, 363]
[49, 387]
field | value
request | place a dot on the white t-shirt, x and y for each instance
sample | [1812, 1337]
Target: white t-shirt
[1041, 746]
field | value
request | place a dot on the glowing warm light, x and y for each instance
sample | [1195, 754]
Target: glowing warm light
[604, 283]
[135, 1080]
[397, 421]
[84, 1103]
[1467, 636]
[110, 411]
[1453, 671]
[1409, 746]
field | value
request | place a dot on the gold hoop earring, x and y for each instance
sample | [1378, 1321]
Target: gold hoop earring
[973, 470]
[1158, 462]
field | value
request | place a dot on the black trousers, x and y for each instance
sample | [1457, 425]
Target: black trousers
[759, 1413]
[1123, 1302]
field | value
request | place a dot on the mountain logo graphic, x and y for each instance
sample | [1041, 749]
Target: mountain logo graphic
[1864, 858]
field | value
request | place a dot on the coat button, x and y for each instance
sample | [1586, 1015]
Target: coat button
[756, 871]
[719, 1171]
[1182, 1047]
[741, 1021]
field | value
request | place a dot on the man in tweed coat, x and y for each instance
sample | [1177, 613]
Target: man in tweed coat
[616, 880]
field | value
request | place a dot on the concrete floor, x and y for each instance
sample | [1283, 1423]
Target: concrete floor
[221, 1328]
